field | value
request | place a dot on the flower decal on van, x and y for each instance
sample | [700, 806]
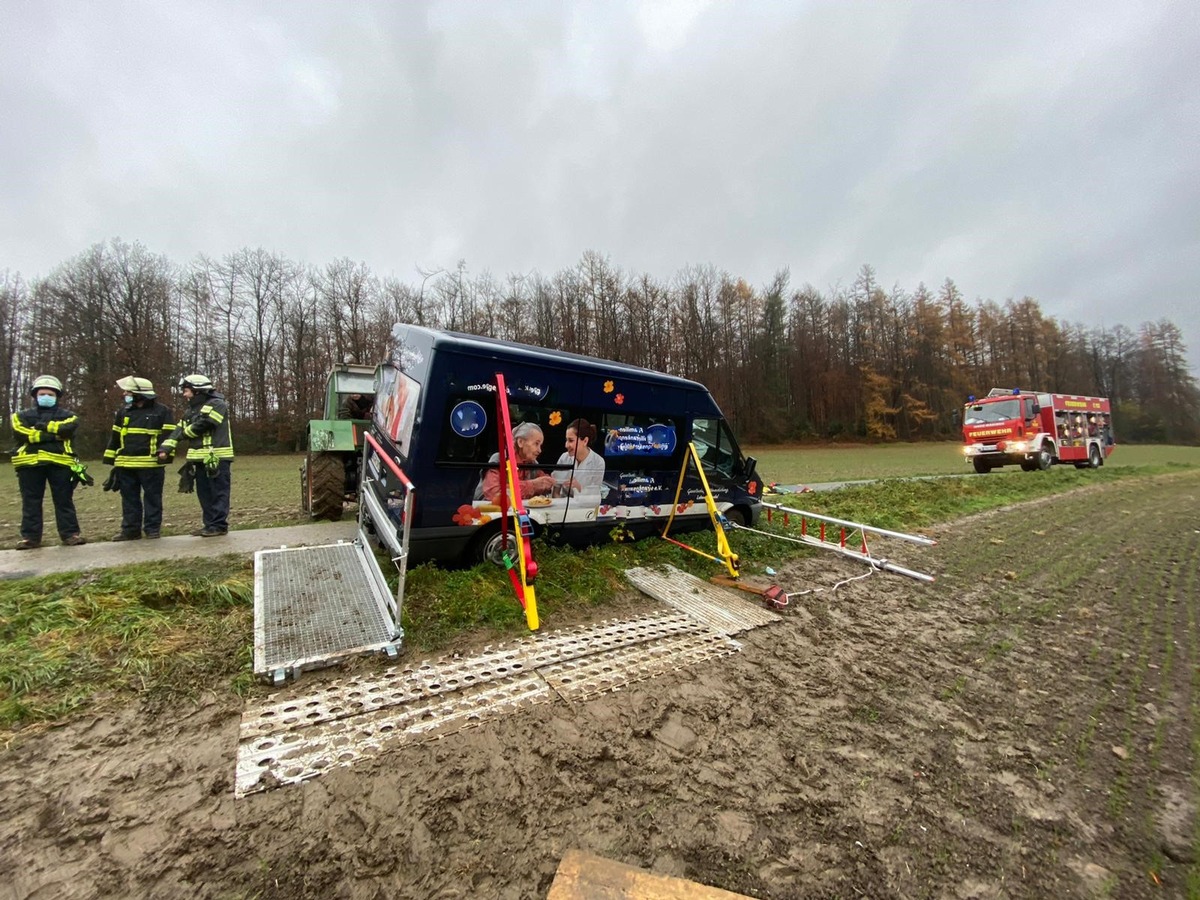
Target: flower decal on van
[469, 515]
[609, 387]
[556, 417]
[619, 399]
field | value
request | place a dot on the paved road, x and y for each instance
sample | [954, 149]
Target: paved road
[103, 554]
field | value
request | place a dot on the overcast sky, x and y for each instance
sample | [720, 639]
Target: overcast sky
[1044, 149]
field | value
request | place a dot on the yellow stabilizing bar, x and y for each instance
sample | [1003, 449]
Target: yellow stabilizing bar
[725, 556]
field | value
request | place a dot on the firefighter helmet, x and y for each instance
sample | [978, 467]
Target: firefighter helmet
[46, 381]
[195, 382]
[139, 387]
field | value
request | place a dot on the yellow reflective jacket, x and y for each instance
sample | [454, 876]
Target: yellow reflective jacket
[44, 436]
[137, 432]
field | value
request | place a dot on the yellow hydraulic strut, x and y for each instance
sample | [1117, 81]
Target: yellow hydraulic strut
[725, 556]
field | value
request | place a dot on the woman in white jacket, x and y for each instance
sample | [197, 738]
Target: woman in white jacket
[587, 473]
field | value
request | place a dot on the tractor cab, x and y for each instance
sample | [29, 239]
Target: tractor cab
[329, 476]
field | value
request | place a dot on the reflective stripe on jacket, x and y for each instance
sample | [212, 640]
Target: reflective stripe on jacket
[206, 426]
[137, 432]
[44, 436]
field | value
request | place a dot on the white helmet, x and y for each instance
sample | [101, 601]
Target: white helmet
[195, 382]
[46, 381]
[139, 387]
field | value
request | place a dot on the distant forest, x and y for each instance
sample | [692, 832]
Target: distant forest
[785, 363]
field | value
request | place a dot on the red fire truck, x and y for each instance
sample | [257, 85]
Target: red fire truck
[1035, 431]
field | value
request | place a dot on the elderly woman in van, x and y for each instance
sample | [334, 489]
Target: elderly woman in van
[527, 439]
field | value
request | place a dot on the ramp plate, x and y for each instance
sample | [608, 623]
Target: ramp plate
[291, 737]
[315, 605]
[717, 607]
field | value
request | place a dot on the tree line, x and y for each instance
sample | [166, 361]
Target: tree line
[785, 363]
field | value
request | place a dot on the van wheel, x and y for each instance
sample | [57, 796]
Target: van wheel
[326, 485]
[982, 466]
[1045, 457]
[737, 515]
[1094, 459]
[489, 546]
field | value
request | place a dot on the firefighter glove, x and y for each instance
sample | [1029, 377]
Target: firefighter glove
[110, 483]
[80, 473]
[187, 478]
[211, 463]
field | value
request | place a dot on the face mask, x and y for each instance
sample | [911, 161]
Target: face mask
[129, 398]
[45, 401]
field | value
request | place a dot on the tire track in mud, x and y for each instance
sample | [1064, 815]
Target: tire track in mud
[885, 740]
[1115, 604]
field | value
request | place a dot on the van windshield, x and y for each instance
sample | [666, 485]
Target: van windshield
[716, 446]
[986, 413]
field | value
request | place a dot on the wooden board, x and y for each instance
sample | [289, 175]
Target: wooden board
[582, 876]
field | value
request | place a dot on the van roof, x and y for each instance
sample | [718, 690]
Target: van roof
[528, 352]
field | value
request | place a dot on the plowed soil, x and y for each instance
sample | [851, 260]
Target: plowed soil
[1026, 727]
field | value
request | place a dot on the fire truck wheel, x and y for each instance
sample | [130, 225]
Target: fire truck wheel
[1028, 465]
[1045, 457]
[1094, 459]
[982, 466]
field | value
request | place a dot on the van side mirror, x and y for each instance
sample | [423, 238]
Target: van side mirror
[751, 468]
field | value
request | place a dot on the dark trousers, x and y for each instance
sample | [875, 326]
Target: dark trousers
[213, 493]
[141, 499]
[32, 481]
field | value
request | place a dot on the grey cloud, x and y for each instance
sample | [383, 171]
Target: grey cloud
[1041, 149]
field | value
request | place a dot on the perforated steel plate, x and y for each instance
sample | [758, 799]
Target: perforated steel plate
[721, 609]
[316, 605]
[290, 738]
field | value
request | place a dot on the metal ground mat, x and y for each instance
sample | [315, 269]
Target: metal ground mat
[315, 606]
[291, 737]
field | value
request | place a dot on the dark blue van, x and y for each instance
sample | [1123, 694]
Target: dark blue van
[601, 443]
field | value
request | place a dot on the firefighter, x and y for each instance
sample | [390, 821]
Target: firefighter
[44, 456]
[139, 427]
[205, 425]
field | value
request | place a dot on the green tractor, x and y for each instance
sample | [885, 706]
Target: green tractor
[329, 476]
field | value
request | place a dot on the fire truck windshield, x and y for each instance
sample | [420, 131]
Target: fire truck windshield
[986, 413]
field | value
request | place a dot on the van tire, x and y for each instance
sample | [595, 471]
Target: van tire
[488, 547]
[326, 485]
[738, 516]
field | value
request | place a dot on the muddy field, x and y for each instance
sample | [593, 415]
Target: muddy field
[1025, 727]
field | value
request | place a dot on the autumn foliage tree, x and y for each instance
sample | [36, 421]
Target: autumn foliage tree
[785, 362]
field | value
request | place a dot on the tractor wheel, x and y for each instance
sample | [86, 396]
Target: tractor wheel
[326, 485]
[1045, 457]
[1094, 459]
[982, 466]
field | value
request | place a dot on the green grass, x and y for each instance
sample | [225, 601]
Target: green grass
[74, 641]
[816, 464]
[161, 629]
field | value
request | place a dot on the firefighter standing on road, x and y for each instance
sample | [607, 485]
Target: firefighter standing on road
[43, 457]
[139, 427]
[210, 452]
